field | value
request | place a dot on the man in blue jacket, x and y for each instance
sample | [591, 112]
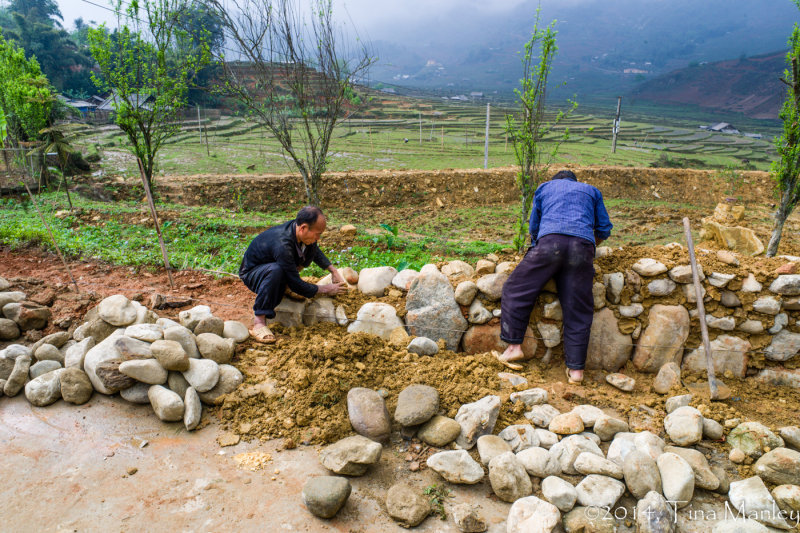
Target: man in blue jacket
[568, 220]
[273, 262]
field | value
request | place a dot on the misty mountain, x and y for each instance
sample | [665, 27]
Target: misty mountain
[605, 46]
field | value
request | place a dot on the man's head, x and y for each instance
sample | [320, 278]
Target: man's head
[565, 174]
[310, 223]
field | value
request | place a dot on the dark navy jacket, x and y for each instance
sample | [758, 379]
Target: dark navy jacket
[279, 245]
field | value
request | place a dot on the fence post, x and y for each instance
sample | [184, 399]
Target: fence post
[155, 221]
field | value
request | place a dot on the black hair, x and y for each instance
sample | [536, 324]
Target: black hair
[308, 215]
[564, 174]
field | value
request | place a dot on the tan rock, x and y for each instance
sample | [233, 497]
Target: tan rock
[662, 341]
[609, 349]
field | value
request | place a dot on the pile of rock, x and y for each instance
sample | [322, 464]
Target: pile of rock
[19, 314]
[124, 347]
[644, 314]
[584, 461]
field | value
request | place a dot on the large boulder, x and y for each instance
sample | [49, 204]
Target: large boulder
[532, 515]
[752, 438]
[486, 337]
[102, 352]
[752, 499]
[27, 315]
[727, 352]
[368, 415]
[508, 477]
[376, 318]
[662, 341]
[431, 309]
[737, 238]
[608, 349]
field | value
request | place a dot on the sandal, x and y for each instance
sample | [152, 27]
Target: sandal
[507, 364]
[263, 335]
[572, 381]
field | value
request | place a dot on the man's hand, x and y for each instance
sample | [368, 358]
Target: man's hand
[335, 276]
[332, 289]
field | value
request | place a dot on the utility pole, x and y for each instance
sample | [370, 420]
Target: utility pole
[486, 139]
[420, 127]
[616, 126]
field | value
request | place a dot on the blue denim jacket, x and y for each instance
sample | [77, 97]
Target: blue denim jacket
[569, 207]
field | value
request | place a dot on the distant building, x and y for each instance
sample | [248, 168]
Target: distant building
[476, 94]
[635, 71]
[388, 90]
[753, 135]
[141, 100]
[724, 127]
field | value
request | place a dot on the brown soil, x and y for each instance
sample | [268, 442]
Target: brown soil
[297, 388]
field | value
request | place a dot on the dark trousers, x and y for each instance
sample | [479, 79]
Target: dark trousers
[569, 260]
[269, 283]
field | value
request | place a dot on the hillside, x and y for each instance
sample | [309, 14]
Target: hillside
[749, 86]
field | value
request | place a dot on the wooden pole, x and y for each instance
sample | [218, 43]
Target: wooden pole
[701, 312]
[616, 126]
[199, 125]
[420, 127]
[52, 237]
[155, 221]
[486, 139]
[442, 137]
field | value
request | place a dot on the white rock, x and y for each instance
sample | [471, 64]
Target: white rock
[145, 332]
[567, 450]
[590, 463]
[45, 389]
[621, 446]
[167, 405]
[144, 370]
[551, 334]
[546, 438]
[599, 491]
[719, 280]
[530, 397]
[677, 478]
[185, 338]
[542, 415]
[539, 462]
[649, 443]
[166, 323]
[477, 419]
[781, 321]
[233, 329]
[351, 456]
[684, 426]
[648, 267]
[768, 305]
[614, 284]
[508, 477]
[725, 323]
[560, 493]
[465, 292]
[750, 284]
[751, 498]
[519, 437]
[630, 311]
[683, 274]
[786, 284]
[203, 374]
[193, 409]
[102, 352]
[77, 352]
[784, 346]
[376, 318]
[117, 310]
[553, 310]
[655, 515]
[191, 317]
[661, 287]
[423, 346]
[532, 515]
[478, 314]
[456, 466]
[753, 327]
[458, 268]
[373, 281]
[589, 414]
[405, 278]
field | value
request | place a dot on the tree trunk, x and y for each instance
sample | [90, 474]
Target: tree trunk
[777, 231]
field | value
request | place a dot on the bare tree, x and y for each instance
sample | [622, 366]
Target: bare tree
[296, 75]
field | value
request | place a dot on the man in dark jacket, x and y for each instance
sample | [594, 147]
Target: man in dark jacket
[273, 262]
[568, 220]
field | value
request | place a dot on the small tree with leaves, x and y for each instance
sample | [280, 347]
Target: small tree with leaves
[528, 130]
[148, 64]
[26, 98]
[296, 76]
[786, 168]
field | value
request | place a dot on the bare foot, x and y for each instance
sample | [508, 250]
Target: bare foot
[513, 353]
[574, 376]
[507, 364]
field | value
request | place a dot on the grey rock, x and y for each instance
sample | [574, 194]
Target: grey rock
[117, 310]
[407, 505]
[781, 321]
[712, 429]
[669, 376]
[703, 476]
[456, 466]
[729, 354]
[170, 355]
[214, 347]
[677, 478]
[138, 393]
[477, 419]
[423, 346]
[606, 427]
[661, 287]
[405, 278]
[599, 296]
[144, 370]
[27, 315]
[724, 323]
[478, 314]
[641, 474]
[416, 404]
[621, 382]
[539, 462]
[48, 352]
[376, 318]
[791, 436]
[130, 348]
[675, 402]
[178, 384]
[663, 339]
[684, 426]
[97, 328]
[508, 478]
[780, 466]
[491, 285]
[145, 332]
[787, 497]
[722, 477]
[560, 493]
[43, 367]
[431, 309]
[567, 450]
[599, 491]
[229, 380]
[45, 389]
[186, 339]
[530, 397]
[77, 352]
[75, 386]
[210, 324]
[655, 515]
[368, 414]
[531, 514]
[609, 349]
[167, 405]
[191, 317]
[8, 330]
[8, 297]
[18, 377]
[233, 329]
[203, 374]
[467, 519]
[786, 284]
[589, 463]
[351, 456]
[739, 525]
[324, 496]
[784, 346]
[193, 409]
[439, 431]
[729, 299]
[542, 415]
[519, 437]
[751, 497]
[6, 365]
[614, 284]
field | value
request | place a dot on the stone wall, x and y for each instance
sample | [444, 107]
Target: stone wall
[645, 311]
